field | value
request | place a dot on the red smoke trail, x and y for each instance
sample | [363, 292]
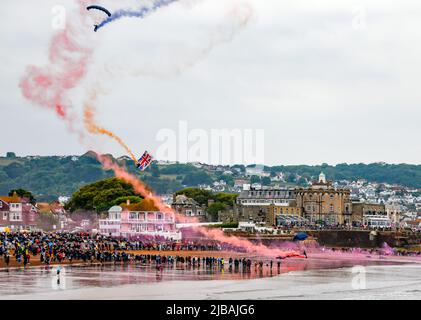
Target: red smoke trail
[67, 65]
[214, 234]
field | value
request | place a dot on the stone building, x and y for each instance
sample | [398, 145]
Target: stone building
[370, 214]
[287, 214]
[254, 203]
[394, 213]
[322, 203]
[187, 207]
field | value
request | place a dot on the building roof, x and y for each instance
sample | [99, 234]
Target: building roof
[115, 209]
[182, 199]
[13, 199]
[43, 207]
[268, 193]
[144, 205]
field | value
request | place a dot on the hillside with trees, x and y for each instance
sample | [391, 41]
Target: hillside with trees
[48, 177]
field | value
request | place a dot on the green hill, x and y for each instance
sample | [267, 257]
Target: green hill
[48, 177]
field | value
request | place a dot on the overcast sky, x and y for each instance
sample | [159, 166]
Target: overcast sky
[328, 81]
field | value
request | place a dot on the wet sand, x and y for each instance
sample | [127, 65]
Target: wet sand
[35, 261]
[382, 282]
[319, 277]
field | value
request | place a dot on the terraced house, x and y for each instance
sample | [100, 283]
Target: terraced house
[17, 213]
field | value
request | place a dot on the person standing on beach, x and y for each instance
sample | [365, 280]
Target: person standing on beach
[7, 258]
[58, 274]
[25, 260]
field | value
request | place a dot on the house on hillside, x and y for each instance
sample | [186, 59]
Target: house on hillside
[17, 213]
[56, 209]
[187, 207]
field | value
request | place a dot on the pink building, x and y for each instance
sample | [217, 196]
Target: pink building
[125, 223]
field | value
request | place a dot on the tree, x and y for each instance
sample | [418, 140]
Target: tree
[266, 181]
[155, 170]
[255, 179]
[290, 178]
[203, 196]
[132, 199]
[100, 195]
[226, 198]
[23, 194]
[199, 195]
[10, 155]
[162, 185]
[197, 178]
[302, 182]
[14, 170]
[214, 209]
[178, 169]
[240, 167]
[229, 180]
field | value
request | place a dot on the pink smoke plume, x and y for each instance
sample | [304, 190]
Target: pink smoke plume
[214, 234]
[68, 59]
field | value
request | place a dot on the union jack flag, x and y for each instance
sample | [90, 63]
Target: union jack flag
[144, 161]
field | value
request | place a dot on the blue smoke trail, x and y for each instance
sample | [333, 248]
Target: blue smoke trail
[138, 13]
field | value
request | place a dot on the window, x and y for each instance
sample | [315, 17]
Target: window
[4, 215]
[1, 204]
[134, 216]
[16, 216]
[331, 208]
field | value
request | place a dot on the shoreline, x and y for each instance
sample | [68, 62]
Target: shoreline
[35, 262]
[288, 286]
